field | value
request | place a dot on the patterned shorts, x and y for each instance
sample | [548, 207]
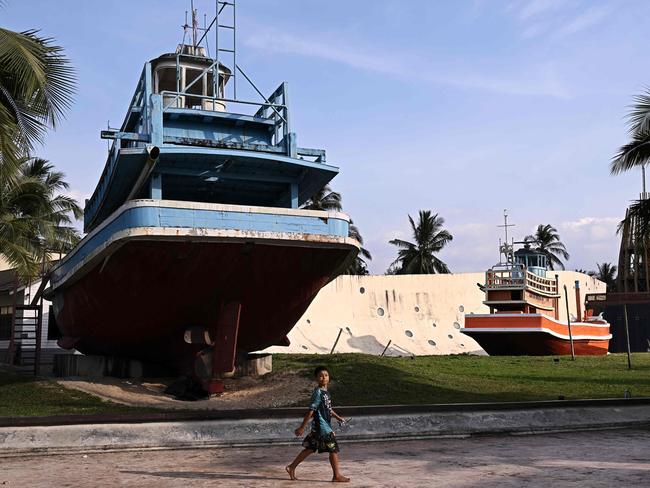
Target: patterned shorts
[326, 443]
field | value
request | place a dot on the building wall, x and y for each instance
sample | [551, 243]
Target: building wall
[418, 314]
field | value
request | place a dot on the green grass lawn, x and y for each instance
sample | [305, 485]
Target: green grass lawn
[359, 379]
[26, 396]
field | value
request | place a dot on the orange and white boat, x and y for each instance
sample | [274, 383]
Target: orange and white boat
[524, 312]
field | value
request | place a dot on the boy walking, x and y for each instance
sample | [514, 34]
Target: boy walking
[321, 438]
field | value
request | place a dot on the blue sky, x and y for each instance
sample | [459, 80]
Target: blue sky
[464, 108]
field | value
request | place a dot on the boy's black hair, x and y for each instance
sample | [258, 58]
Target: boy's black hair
[319, 369]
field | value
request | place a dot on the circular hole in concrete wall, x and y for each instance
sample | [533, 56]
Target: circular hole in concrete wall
[434, 325]
[431, 343]
[461, 309]
[362, 290]
[305, 347]
[408, 333]
[456, 325]
[308, 321]
[380, 312]
[450, 336]
[417, 309]
[462, 345]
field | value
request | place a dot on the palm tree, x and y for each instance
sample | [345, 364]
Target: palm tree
[36, 86]
[57, 233]
[548, 243]
[324, 199]
[34, 218]
[419, 257]
[327, 199]
[634, 154]
[584, 271]
[607, 274]
[359, 265]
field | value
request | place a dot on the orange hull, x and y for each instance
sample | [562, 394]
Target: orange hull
[536, 335]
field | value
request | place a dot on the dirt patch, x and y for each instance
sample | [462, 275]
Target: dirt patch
[269, 391]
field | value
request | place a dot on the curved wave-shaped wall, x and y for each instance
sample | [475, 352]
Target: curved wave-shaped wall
[418, 314]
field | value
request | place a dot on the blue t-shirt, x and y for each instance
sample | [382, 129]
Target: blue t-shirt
[321, 405]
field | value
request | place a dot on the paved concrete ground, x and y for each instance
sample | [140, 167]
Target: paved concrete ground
[586, 459]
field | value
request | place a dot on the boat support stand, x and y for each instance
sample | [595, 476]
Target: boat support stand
[225, 345]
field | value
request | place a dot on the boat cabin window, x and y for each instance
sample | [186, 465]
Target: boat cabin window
[532, 260]
[198, 88]
[166, 78]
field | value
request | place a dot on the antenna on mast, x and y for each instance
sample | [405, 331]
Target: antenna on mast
[194, 23]
[505, 248]
[505, 223]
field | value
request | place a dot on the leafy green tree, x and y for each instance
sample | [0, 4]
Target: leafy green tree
[547, 241]
[419, 257]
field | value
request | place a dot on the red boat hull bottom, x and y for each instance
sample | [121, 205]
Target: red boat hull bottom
[536, 335]
[138, 302]
[533, 344]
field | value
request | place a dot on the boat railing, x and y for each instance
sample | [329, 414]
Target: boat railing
[507, 278]
[518, 277]
[547, 286]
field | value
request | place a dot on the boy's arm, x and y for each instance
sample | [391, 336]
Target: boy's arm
[337, 416]
[300, 430]
[313, 406]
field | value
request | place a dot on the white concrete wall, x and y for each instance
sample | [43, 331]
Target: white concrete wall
[421, 314]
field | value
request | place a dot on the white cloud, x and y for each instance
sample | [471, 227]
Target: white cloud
[79, 196]
[590, 240]
[535, 30]
[541, 80]
[534, 8]
[586, 223]
[555, 18]
[588, 18]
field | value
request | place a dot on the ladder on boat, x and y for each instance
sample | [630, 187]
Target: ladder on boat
[227, 20]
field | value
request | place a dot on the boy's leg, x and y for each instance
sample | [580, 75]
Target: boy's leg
[291, 469]
[334, 461]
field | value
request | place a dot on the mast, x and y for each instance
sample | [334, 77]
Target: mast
[505, 248]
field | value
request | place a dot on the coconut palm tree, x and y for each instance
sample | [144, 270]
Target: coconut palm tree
[634, 154]
[35, 219]
[36, 86]
[547, 241]
[584, 271]
[324, 199]
[607, 274]
[418, 257]
[58, 212]
[327, 199]
[359, 266]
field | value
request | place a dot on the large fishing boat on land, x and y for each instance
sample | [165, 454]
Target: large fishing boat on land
[196, 239]
[524, 316]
